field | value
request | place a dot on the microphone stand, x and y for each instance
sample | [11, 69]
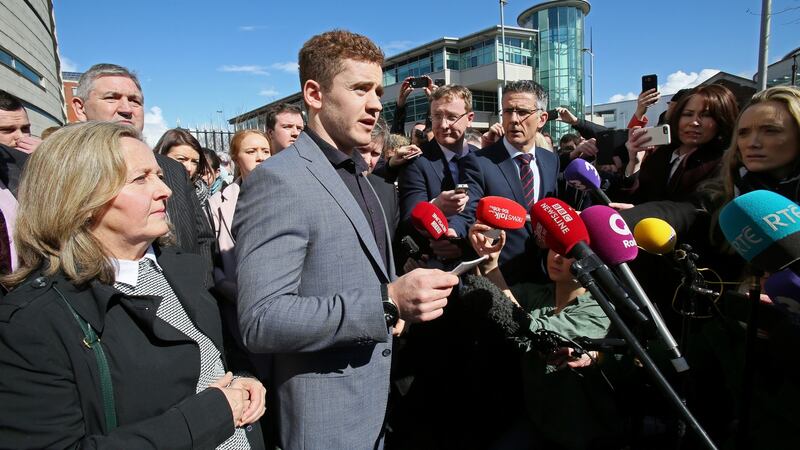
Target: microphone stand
[582, 269]
[749, 372]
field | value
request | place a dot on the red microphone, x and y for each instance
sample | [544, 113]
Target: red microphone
[564, 232]
[427, 218]
[557, 225]
[501, 213]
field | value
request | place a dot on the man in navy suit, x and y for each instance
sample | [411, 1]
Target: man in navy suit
[513, 167]
[443, 164]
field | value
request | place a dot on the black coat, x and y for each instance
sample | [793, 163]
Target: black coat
[50, 387]
[192, 228]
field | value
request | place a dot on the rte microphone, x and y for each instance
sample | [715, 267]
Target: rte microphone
[566, 234]
[655, 236]
[612, 241]
[764, 228]
[500, 213]
[583, 176]
[429, 219]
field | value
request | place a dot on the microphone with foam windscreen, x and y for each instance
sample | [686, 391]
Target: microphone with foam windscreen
[500, 213]
[784, 289]
[561, 228]
[655, 236]
[429, 219]
[764, 228]
[583, 176]
[612, 241]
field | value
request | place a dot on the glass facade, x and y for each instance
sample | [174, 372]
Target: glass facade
[559, 61]
[417, 108]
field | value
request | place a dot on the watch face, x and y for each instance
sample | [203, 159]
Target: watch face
[390, 313]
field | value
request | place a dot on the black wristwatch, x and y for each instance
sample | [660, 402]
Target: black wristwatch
[390, 311]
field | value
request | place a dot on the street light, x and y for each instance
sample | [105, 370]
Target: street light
[591, 76]
[502, 52]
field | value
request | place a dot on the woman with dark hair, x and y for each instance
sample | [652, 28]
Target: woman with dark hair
[701, 127]
[108, 338]
[181, 146]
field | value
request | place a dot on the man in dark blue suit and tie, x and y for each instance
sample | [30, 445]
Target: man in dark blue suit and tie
[515, 168]
[443, 164]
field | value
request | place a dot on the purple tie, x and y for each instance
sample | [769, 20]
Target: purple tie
[526, 177]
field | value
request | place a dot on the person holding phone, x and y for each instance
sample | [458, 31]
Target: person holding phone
[701, 128]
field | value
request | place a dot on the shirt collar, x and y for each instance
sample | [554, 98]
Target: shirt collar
[127, 271]
[449, 154]
[336, 157]
[514, 151]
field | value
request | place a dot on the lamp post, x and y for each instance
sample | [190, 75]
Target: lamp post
[502, 52]
[591, 76]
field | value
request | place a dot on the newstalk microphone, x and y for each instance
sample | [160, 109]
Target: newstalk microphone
[612, 241]
[427, 218]
[500, 213]
[583, 176]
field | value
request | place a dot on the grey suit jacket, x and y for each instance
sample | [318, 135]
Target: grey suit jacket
[309, 276]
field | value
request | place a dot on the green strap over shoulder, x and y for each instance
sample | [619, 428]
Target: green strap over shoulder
[90, 340]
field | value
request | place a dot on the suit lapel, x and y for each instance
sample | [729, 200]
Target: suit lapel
[437, 163]
[546, 172]
[323, 171]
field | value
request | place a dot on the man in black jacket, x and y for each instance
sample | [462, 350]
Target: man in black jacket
[112, 93]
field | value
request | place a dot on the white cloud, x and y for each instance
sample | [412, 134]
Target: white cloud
[249, 28]
[252, 69]
[154, 125]
[620, 97]
[270, 92]
[682, 80]
[288, 67]
[68, 65]
[397, 46]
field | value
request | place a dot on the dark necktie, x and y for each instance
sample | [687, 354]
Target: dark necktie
[5, 247]
[456, 176]
[526, 177]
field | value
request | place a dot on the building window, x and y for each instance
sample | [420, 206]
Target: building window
[608, 116]
[484, 101]
[20, 67]
[74, 91]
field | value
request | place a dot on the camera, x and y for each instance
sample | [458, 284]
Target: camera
[419, 82]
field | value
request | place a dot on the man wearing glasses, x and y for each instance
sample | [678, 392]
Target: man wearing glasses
[435, 175]
[513, 167]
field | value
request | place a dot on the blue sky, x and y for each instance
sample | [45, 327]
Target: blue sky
[195, 58]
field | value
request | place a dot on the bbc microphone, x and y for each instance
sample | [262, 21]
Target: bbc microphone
[500, 213]
[612, 241]
[562, 229]
[427, 218]
[764, 228]
[583, 176]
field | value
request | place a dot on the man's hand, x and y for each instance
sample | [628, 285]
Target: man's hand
[404, 155]
[405, 91]
[430, 88]
[645, 100]
[495, 132]
[445, 249]
[28, 144]
[451, 202]
[421, 294]
[486, 246]
[585, 148]
[566, 116]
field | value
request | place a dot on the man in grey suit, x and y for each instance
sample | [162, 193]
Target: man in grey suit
[315, 276]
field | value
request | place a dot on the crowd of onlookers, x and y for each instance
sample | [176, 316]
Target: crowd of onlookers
[291, 292]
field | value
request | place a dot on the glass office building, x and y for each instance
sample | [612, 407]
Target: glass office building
[559, 60]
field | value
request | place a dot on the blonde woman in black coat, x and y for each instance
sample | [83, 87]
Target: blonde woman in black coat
[107, 339]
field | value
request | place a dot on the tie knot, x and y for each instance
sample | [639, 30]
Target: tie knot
[525, 158]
